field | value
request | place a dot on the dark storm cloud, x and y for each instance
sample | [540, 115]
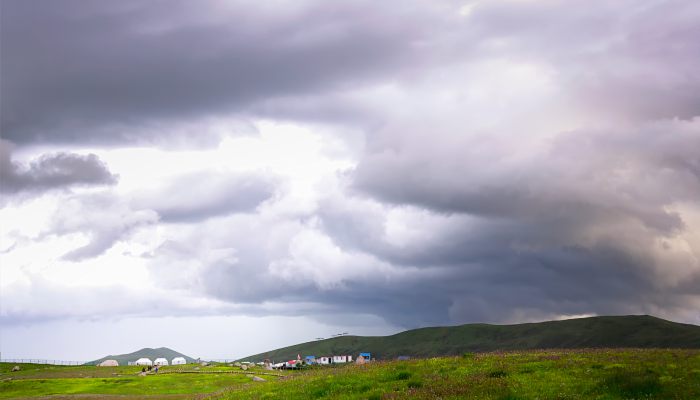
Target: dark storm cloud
[573, 230]
[51, 171]
[127, 71]
[95, 72]
[594, 173]
[251, 281]
[540, 283]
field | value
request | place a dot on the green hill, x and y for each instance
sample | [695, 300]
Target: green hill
[124, 359]
[634, 331]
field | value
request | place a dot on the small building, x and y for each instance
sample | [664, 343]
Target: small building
[179, 361]
[278, 365]
[363, 358]
[108, 363]
[310, 360]
[342, 359]
[144, 361]
[323, 360]
[160, 361]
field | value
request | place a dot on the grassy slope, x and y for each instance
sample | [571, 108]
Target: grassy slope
[46, 380]
[594, 332]
[164, 352]
[553, 374]
[601, 374]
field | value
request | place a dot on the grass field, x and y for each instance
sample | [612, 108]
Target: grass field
[556, 374]
[34, 381]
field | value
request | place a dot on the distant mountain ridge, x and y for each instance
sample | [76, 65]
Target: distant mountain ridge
[631, 331]
[147, 352]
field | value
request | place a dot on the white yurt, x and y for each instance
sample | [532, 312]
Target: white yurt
[160, 361]
[179, 361]
[108, 363]
[143, 361]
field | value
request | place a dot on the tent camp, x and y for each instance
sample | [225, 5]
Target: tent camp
[143, 361]
[108, 363]
[179, 361]
[160, 361]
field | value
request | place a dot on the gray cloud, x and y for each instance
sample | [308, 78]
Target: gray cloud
[110, 73]
[628, 59]
[102, 217]
[202, 195]
[51, 171]
[582, 227]
[95, 73]
[594, 173]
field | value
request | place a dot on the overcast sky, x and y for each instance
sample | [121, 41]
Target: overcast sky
[228, 177]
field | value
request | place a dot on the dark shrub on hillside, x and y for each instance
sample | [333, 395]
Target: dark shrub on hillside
[414, 384]
[498, 374]
[403, 375]
[633, 383]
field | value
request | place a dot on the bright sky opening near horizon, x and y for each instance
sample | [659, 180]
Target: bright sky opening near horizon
[228, 177]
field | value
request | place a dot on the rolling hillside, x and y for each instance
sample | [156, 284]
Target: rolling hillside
[596, 332]
[164, 352]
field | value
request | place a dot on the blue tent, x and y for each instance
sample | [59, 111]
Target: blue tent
[367, 356]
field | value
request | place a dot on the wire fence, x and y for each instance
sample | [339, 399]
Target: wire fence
[41, 361]
[220, 360]
[64, 362]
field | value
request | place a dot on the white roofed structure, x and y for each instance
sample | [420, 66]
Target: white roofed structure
[160, 361]
[179, 361]
[108, 363]
[144, 361]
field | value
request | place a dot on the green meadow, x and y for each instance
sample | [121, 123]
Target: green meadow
[556, 374]
[190, 381]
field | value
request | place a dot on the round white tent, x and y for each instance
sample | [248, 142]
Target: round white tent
[108, 363]
[160, 361]
[179, 361]
[143, 361]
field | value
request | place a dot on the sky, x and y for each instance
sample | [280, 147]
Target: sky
[228, 177]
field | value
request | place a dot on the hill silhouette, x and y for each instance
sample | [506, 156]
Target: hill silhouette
[147, 352]
[632, 331]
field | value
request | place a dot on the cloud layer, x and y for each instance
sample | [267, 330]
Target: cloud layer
[423, 163]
